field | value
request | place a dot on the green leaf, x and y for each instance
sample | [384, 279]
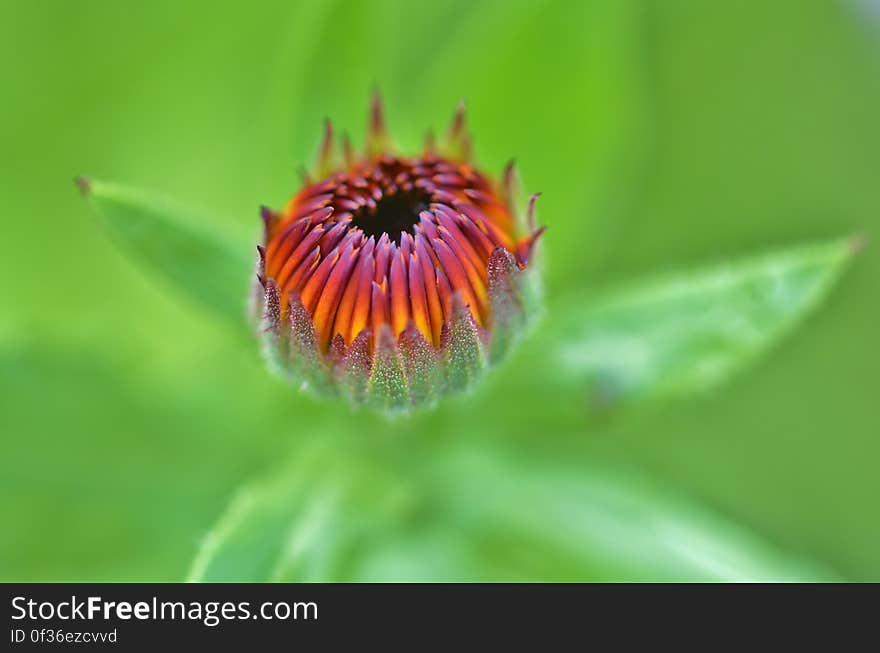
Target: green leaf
[478, 514]
[687, 332]
[307, 523]
[174, 242]
[582, 519]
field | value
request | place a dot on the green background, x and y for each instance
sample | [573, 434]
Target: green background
[661, 134]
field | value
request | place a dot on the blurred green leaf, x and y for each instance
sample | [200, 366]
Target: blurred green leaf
[174, 242]
[582, 519]
[305, 524]
[478, 514]
[687, 332]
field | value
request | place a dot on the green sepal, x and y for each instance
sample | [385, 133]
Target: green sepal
[387, 389]
[353, 371]
[303, 359]
[421, 366]
[506, 303]
[463, 352]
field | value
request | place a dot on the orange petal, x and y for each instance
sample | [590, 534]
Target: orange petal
[361, 313]
[329, 298]
[447, 221]
[333, 235]
[418, 298]
[444, 291]
[383, 254]
[496, 235]
[378, 307]
[312, 290]
[457, 276]
[303, 272]
[435, 308]
[305, 247]
[362, 274]
[399, 291]
[472, 272]
[279, 249]
[476, 236]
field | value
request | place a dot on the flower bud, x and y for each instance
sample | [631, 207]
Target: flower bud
[393, 280]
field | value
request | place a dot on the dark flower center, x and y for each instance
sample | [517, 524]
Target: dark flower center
[393, 214]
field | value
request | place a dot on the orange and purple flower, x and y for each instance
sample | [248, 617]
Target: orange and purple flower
[393, 280]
